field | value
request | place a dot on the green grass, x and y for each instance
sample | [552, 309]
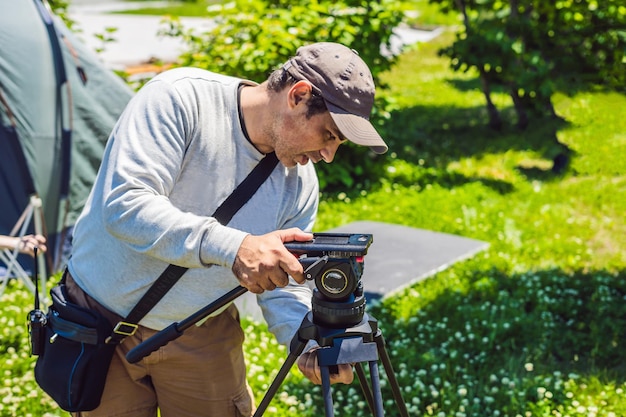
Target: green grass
[173, 8]
[534, 326]
[420, 13]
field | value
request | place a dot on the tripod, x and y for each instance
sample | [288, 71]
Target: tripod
[357, 344]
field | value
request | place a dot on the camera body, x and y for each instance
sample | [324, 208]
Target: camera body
[335, 261]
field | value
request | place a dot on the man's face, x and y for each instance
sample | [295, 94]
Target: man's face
[298, 139]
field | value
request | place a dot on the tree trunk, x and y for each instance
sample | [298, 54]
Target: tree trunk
[495, 122]
[520, 109]
[461, 5]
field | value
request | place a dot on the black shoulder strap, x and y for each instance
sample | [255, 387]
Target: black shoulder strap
[172, 273]
[246, 189]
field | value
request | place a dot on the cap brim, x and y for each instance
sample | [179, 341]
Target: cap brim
[357, 129]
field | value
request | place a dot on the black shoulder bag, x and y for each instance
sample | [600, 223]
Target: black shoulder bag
[75, 344]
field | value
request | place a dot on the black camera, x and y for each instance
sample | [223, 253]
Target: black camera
[335, 261]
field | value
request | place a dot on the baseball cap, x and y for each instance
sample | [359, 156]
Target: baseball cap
[345, 83]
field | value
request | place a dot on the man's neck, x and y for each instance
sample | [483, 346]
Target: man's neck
[255, 105]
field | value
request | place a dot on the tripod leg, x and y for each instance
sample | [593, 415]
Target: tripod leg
[378, 396]
[367, 392]
[327, 391]
[395, 387]
[282, 373]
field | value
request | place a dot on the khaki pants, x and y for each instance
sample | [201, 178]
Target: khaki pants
[200, 373]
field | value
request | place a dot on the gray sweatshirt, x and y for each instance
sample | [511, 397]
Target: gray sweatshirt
[175, 154]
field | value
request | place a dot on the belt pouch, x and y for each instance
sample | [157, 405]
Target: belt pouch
[73, 365]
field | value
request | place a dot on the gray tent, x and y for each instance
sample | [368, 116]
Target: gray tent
[59, 104]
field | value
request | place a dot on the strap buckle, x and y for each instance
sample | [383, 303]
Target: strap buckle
[123, 329]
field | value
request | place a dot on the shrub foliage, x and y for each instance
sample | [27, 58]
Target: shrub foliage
[251, 38]
[533, 49]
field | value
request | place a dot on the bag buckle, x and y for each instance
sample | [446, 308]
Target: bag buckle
[125, 329]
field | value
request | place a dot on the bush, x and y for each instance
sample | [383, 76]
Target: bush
[254, 37]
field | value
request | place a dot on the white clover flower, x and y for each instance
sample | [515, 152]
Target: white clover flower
[529, 367]
[541, 392]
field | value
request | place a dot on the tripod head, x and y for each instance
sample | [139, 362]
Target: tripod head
[335, 261]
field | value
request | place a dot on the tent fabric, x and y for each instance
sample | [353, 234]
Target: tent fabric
[61, 122]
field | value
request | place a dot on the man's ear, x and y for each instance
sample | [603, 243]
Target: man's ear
[299, 93]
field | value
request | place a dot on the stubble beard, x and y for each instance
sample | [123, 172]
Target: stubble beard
[274, 131]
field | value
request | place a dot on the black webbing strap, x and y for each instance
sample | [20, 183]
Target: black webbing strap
[224, 213]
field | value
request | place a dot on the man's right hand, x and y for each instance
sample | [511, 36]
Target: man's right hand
[263, 263]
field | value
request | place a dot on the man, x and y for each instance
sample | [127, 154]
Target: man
[179, 149]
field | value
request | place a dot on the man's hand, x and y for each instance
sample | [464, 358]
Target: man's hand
[263, 263]
[307, 363]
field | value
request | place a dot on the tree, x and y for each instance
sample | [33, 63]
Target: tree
[534, 48]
